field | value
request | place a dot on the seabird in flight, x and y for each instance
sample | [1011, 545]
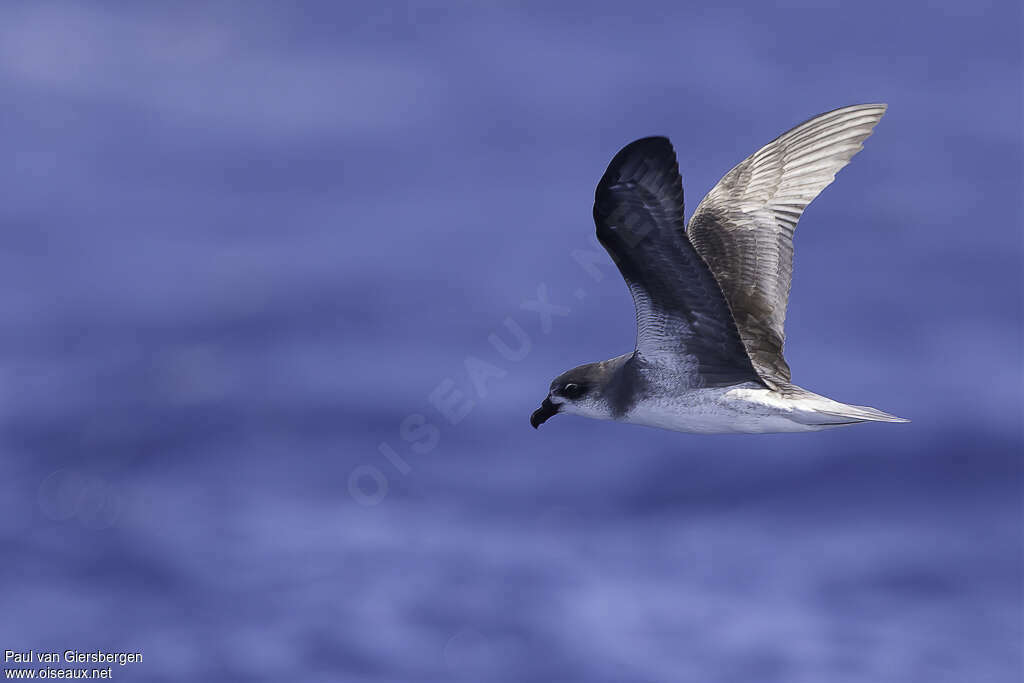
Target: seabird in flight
[710, 296]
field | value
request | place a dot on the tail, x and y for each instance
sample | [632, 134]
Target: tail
[850, 414]
[825, 412]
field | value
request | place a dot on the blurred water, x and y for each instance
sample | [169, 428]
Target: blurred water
[243, 244]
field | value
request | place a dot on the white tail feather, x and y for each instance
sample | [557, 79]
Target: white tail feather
[860, 414]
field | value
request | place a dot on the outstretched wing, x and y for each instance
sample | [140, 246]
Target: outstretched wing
[743, 228]
[681, 315]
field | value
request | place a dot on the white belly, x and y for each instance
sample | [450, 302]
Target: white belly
[722, 411]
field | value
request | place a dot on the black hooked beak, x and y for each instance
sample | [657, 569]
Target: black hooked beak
[542, 414]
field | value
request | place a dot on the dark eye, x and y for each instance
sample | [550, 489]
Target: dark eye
[572, 390]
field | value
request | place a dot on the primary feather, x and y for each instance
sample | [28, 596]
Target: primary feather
[743, 228]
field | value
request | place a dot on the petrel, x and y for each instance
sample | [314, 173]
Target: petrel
[710, 295]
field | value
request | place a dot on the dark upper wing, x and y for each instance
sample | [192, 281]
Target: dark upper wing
[744, 227]
[681, 316]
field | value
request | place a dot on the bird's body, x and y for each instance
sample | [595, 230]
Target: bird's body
[743, 408]
[644, 393]
[711, 296]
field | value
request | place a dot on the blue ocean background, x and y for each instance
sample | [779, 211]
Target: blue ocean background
[248, 249]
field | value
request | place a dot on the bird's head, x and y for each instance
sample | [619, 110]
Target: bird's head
[578, 391]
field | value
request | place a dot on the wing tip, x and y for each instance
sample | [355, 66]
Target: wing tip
[863, 105]
[875, 110]
[628, 160]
